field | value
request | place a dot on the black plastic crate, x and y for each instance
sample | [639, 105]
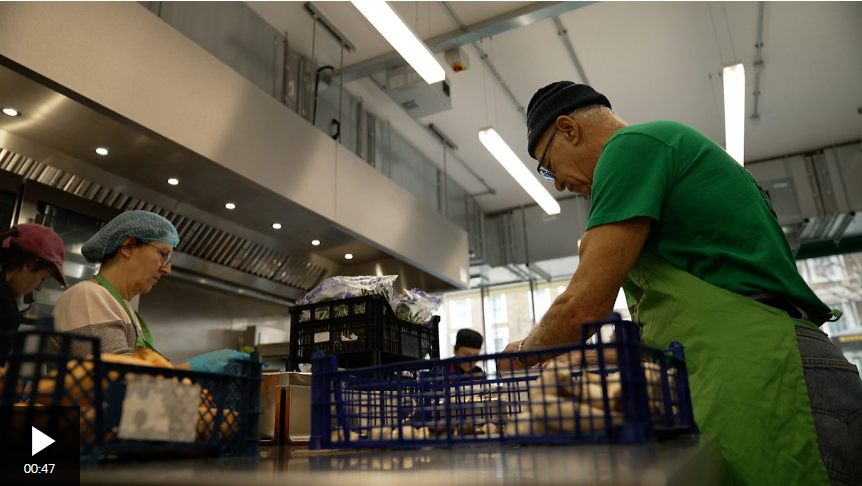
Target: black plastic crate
[227, 419]
[361, 331]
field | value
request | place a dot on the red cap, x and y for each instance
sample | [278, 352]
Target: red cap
[42, 242]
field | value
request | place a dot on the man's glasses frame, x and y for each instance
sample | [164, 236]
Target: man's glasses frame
[546, 173]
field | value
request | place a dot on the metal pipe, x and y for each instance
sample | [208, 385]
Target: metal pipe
[758, 62]
[841, 227]
[527, 260]
[300, 87]
[482, 294]
[567, 43]
[313, 58]
[340, 94]
[445, 185]
[285, 72]
[526, 248]
[446, 141]
[329, 26]
[533, 301]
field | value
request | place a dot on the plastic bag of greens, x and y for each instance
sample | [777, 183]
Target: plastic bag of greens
[416, 306]
[337, 288]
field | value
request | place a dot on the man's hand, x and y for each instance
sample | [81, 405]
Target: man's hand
[508, 363]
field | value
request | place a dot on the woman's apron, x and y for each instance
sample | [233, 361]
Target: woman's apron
[746, 376]
[143, 336]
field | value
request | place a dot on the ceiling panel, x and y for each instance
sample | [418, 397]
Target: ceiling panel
[654, 60]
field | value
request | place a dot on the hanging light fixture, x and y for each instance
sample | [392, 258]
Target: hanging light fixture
[513, 165]
[734, 110]
[401, 37]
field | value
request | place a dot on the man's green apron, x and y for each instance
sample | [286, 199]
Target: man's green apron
[143, 336]
[746, 376]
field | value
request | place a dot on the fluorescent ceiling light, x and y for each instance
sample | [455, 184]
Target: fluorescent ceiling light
[522, 175]
[173, 181]
[315, 242]
[348, 256]
[230, 206]
[10, 112]
[102, 151]
[276, 225]
[396, 32]
[734, 110]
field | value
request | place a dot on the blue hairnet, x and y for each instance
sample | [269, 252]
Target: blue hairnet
[143, 225]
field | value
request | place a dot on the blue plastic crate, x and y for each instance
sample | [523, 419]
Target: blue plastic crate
[228, 415]
[641, 394]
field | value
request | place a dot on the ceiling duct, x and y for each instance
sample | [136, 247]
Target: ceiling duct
[411, 92]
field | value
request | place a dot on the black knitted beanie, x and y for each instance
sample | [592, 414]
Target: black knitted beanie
[554, 100]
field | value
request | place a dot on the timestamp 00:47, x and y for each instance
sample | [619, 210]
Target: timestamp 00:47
[38, 468]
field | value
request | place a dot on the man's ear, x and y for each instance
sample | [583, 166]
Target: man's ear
[569, 128]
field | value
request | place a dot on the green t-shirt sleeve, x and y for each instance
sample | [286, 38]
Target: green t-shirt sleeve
[632, 179]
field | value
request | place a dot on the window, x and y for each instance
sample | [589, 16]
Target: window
[460, 315]
[495, 309]
[541, 304]
[822, 270]
[499, 340]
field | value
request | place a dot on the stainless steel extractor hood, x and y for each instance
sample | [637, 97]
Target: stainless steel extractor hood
[81, 79]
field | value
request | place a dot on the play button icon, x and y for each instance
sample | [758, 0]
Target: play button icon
[39, 441]
[55, 438]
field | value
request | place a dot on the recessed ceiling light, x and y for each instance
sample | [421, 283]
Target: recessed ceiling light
[230, 206]
[315, 242]
[348, 256]
[11, 112]
[102, 151]
[172, 181]
[276, 225]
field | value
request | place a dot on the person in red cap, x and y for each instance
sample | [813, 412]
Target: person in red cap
[29, 255]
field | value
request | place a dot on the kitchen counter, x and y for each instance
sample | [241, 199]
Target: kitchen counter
[683, 461]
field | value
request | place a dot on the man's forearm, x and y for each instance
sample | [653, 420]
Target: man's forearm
[560, 325]
[607, 254]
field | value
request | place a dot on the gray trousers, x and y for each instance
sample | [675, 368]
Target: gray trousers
[835, 394]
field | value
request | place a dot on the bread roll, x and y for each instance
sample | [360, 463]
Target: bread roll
[380, 433]
[556, 380]
[407, 433]
[151, 357]
[206, 417]
[338, 436]
[523, 425]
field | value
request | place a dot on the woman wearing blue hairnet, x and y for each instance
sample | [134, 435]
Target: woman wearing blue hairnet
[134, 251]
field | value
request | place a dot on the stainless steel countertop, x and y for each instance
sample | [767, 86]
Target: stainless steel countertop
[684, 461]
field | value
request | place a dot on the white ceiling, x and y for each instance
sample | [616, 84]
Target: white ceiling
[653, 60]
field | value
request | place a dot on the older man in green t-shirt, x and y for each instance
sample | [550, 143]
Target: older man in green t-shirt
[694, 242]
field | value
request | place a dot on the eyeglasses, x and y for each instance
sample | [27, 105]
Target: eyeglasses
[546, 173]
[166, 255]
